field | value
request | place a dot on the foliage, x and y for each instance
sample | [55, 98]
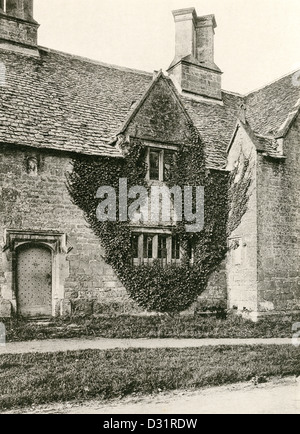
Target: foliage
[239, 193]
[162, 289]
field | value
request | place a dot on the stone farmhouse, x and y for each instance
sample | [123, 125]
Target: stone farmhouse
[55, 105]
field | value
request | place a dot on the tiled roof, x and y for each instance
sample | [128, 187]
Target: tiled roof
[216, 124]
[267, 145]
[269, 108]
[65, 102]
[69, 103]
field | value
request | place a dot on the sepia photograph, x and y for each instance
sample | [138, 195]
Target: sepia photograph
[149, 210]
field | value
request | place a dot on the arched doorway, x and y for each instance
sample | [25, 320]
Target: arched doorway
[34, 281]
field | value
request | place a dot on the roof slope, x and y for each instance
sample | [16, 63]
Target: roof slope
[69, 103]
[74, 104]
[216, 124]
[65, 102]
[269, 108]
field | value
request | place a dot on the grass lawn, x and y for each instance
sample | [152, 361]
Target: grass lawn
[129, 327]
[48, 378]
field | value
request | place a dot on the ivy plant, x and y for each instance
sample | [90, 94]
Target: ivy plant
[170, 289]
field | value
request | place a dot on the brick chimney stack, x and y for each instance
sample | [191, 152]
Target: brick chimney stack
[193, 68]
[18, 29]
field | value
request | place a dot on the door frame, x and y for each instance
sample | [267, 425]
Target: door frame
[57, 243]
[33, 245]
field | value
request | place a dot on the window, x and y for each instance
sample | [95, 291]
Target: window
[175, 248]
[147, 248]
[154, 164]
[162, 247]
[161, 163]
[135, 246]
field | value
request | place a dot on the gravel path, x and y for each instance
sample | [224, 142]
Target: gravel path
[57, 345]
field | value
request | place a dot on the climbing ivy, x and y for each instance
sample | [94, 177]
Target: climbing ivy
[169, 289]
[239, 191]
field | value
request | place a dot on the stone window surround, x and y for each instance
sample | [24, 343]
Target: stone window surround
[56, 242]
[155, 233]
[160, 148]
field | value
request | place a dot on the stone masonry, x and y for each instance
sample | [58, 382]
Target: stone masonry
[42, 202]
[279, 228]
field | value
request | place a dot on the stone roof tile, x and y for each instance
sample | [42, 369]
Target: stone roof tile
[270, 107]
[64, 102]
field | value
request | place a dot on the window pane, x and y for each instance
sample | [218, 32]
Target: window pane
[135, 246]
[154, 165]
[148, 247]
[169, 164]
[162, 247]
[175, 248]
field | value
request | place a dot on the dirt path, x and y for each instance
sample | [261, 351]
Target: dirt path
[279, 396]
[57, 345]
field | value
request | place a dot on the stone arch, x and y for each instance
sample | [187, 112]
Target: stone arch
[34, 283]
[56, 244]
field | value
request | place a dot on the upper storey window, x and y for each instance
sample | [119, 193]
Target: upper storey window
[161, 163]
[154, 165]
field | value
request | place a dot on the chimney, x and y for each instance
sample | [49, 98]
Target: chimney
[205, 34]
[193, 69]
[18, 29]
[19, 9]
[185, 36]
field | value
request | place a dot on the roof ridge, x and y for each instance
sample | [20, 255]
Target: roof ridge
[272, 82]
[94, 61]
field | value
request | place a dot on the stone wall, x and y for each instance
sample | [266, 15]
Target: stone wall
[161, 118]
[21, 32]
[242, 257]
[40, 201]
[279, 228]
[205, 39]
[198, 80]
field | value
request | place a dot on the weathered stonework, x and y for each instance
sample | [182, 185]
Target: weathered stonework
[42, 203]
[161, 118]
[193, 69]
[266, 279]
[241, 267]
[279, 228]
[198, 80]
[54, 105]
[18, 31]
